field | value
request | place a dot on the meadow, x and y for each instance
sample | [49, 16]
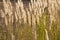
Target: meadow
[34, 20]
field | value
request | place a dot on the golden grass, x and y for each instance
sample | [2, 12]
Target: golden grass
[35, 22]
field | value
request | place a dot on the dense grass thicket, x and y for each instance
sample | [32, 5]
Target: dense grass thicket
[34, 20]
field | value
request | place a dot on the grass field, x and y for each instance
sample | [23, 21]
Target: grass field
[35, 20]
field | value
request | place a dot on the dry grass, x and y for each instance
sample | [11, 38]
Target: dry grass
[37, 20]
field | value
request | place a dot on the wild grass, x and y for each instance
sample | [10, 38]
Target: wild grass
[39, 20]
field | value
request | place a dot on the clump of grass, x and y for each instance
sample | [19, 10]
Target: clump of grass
[32, 23]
